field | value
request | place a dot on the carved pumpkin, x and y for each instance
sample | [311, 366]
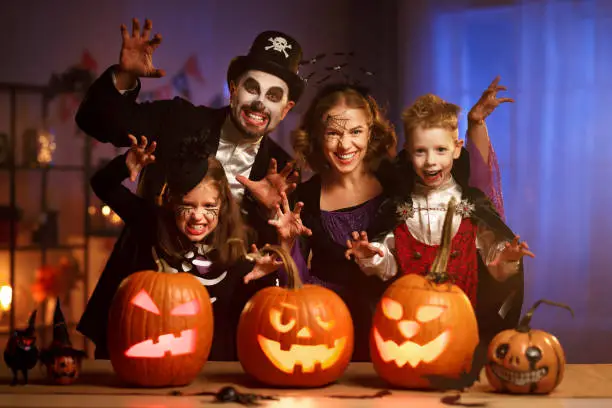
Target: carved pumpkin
[299, 336]
[523, 360]
[160, 329]
[64, 370]
[63, 362]
[424, 325]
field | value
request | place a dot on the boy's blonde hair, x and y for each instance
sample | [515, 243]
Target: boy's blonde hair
[431, 111]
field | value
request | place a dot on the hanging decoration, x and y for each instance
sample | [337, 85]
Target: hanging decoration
[179, 83]
[71, 85]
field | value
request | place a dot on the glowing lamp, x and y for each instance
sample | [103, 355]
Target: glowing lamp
[300, 336]
[160, 329]
[6, 297]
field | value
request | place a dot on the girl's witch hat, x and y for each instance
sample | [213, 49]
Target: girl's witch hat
[61, 345]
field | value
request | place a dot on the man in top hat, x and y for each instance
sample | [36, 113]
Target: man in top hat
[264, 85]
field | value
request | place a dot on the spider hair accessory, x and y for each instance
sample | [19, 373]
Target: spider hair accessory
[339, 68]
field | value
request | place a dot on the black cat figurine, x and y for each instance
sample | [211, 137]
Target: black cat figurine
[21, 353]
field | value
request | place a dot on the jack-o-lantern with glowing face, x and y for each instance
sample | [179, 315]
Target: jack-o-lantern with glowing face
[160, 329]
[422, 328]
[299, 336]
[525, 361]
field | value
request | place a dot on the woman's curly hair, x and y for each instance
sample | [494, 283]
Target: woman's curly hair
[307, 139]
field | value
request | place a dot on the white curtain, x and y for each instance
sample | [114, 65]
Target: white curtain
[554, 144]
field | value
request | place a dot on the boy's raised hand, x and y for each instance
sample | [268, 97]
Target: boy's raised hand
[513, 252]
[139, 156]
[360, 247]
[488, 102]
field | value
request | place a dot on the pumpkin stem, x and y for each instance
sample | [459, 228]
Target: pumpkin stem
[240, 244]
[294, 281]
[524, 325]
[437, 273]
[250, 257]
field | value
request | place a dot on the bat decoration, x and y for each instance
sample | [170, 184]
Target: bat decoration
[231, 394]
[62, 361]
[21, 353]
[455, 400]
[465, 380]
[505, 307]
[379, 394]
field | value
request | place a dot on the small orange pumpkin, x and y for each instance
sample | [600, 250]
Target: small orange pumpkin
[160, 329]
[299, 336]
[424, 326]
[526, 361]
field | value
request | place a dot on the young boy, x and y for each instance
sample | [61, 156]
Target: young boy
[486, 256]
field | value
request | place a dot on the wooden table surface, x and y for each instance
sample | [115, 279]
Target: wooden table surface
[583, 386]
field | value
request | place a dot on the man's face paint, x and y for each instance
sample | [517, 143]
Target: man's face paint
[259, 102]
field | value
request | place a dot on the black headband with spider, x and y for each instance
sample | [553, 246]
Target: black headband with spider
[339, 68]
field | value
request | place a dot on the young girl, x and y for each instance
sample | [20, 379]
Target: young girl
[486, 255]
[193, 230]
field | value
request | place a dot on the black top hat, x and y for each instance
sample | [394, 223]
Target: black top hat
[275, 53]
[61, 345]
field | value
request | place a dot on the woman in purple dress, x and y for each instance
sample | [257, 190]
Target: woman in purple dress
[342, 138]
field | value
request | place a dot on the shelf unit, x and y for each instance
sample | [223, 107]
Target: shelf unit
[14, 91]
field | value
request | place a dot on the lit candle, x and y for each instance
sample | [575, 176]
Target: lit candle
[6, 296]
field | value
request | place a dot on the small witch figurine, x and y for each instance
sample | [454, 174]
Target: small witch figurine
[21, 353]
[63, 362]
